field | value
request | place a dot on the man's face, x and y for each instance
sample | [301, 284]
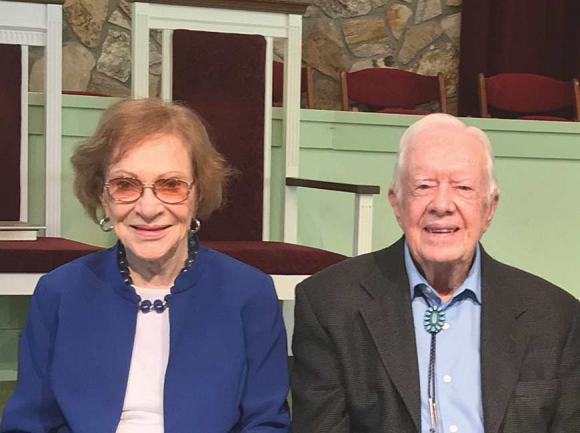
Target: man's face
[443, 204]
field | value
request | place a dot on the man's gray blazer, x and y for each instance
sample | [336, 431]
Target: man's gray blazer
[355, 366]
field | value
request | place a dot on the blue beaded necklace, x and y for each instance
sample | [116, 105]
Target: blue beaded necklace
[158, 305]
[433, 321]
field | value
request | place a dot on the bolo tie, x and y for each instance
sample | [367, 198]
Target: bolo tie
[433, 322]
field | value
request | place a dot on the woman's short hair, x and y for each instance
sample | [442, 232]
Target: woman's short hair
[125, 125]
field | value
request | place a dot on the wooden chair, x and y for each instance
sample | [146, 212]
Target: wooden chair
[529, 97]
[306, 85]
[24, 24]
[242, 229]
[387, 90]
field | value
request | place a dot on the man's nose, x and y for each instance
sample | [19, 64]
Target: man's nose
[443, 201]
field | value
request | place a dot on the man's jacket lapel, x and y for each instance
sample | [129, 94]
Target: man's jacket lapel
[390, 321]
[503, 343]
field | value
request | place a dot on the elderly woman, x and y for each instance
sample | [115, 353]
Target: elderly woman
[157, 333]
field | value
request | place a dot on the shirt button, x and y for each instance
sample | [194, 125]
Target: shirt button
[446, 326]
[446, 378]
[453, 429]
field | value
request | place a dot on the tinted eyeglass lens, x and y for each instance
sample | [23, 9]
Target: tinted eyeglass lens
[171, 190]
[125, 189]
[129, 190]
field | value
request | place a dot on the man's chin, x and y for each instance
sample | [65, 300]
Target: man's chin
[442, 258]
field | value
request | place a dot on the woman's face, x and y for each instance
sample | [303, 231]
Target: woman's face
[149, 228]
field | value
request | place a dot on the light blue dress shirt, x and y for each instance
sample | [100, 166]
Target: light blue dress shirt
[458, 367]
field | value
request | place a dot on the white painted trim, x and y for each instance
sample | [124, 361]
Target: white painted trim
[18, 283]
[363, 224]
[292, 65]
[285, 285]
[291, 214]
[140, 49]
[288, 317]
[22, 37]
[163, 16]
[267, 139]
[24, 134]
[291, 124]
[23, 16]
[167, 65]
[52, 115]
[285, 289]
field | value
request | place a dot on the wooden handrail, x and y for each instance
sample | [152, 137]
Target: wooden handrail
[333, 186]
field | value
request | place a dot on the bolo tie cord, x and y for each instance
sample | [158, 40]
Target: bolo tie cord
[431, 386]
[433, 322]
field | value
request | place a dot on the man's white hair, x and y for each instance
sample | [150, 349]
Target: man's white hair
[442, 120]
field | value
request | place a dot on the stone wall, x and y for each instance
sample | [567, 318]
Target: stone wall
[416, 35]
[96, 53]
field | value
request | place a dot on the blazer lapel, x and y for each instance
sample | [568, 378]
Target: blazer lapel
[390, 321]
[503, 342]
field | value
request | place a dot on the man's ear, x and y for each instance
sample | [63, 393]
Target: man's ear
[394, 201]
[491, 211]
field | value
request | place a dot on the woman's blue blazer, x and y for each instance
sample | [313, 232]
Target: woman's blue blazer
[227, 369]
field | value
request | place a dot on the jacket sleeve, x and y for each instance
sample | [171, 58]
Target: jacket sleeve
[33, 408]
[263, 406]
[318, 394]
[567, 418]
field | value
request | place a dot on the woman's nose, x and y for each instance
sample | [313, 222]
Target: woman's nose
[148, 204]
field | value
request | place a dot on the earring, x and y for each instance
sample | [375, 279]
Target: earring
[197, 227]
[103, 222]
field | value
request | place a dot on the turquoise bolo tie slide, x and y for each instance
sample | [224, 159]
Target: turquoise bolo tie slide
[434, 319]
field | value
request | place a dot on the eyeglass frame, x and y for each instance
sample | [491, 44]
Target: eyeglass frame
[148, 185]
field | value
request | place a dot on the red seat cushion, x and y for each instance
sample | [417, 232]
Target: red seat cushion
[539, 117]
[277, 258]
[40, 256]
[46, 254]
[403, 111]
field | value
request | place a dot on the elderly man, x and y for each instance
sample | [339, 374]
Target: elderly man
[431, 334]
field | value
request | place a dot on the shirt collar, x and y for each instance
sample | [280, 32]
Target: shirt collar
[419, 285]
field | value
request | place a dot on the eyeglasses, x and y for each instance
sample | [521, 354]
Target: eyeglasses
[129, 190]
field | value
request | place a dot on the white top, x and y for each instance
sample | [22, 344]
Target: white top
[143, 406]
